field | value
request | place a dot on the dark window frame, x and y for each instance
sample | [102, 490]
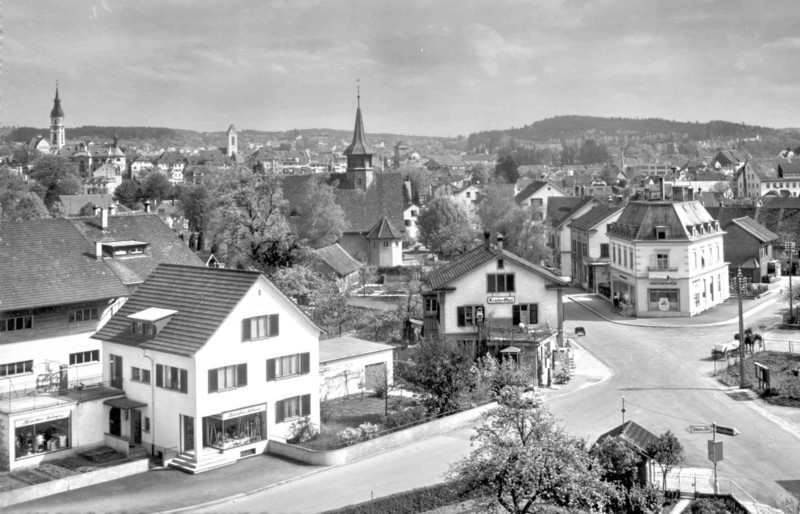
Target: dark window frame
[500, 283]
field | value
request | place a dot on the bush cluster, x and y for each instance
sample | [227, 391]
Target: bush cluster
[411, 502]
[302, 431]
[352, 435]
[404, 417]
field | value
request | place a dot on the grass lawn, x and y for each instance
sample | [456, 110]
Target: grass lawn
[352, 411]
[782, 378]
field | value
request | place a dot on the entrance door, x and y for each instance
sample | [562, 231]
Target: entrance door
[114, 422]
[136, 426]
[115, 362]
[188, 433]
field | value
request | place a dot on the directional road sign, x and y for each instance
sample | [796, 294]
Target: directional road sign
[727, 430]
[699, 429]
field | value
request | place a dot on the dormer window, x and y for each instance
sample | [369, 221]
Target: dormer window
[123, 248]
[143, 328]
[662, 232]
[149, 322]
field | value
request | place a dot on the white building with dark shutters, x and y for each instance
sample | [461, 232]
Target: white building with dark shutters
[213, 362]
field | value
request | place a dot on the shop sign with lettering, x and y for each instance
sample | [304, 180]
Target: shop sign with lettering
[663, 283]
[244, 412]
[500, 299]
[44, 418]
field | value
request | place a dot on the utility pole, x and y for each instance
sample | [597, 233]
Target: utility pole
[740, 283]
[789, 247]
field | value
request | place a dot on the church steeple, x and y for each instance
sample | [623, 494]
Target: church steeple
[359, 156]
[57, 132]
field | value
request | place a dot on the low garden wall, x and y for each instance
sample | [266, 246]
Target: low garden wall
[379, 444]
[77, 481]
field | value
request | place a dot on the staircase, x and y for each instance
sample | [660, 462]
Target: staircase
[209, 459]
[565, 357]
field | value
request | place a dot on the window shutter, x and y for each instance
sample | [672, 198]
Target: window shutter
[515, 317]
[305, 407]
[212, 381]
[305, 362]
[510, 283]
[270, 369]
[273, 324]
[490, 284]
[461, 317]
[159, 375]
[279, 411]
[245, 330]
[241, 375]
[184, 386]
[533, 311]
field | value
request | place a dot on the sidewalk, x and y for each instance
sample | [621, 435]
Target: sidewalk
[589, 371]
[723, 314]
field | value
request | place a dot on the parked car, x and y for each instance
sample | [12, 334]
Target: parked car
[724, 349]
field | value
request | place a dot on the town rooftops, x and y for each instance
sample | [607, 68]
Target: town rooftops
[478, 256]
[642, 219]
[346, 347]
[74, 203]
[338, 259]
[48, 262]
[632, 433]
[754, 228]
[594, 217]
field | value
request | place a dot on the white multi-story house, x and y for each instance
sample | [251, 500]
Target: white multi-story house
[779, 177]
[213, 362]
[410, 216]
[667, 259]
[591, 253]
[491, 300]
[560, 235]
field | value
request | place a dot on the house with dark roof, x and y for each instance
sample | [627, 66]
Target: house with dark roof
[335, 260]
[748, 246]
[667, 259]
[349, 365]
[561, 215]
[64, 279]
[212, 362]
[72, 204]
[537, 194]
[365, 196]
[489, 299]
[591, 253]
[639, 439]
[726, 159]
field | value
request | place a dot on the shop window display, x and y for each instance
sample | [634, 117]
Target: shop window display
[233, 429]
[41, 435]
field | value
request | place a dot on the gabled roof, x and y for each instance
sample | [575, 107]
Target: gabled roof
[559, 206]
[164, 245]
[632, 433]
[757, 230]
[338, 259]
[479, 256]
[384, 230]
[74, 203]
[594, 217]
[203, 298]
[346, 347]
[567, 215]
[676, 216]
[48, 262]
[788, 168]
[532, 188]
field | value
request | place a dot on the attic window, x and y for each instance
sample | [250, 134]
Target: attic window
[661, 232]
[143, 328]
[500, 264]
[122, 248]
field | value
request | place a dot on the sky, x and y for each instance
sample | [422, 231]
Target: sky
[424, 67]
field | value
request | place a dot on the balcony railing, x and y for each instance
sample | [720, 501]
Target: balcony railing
[32, 398]
[663, 269]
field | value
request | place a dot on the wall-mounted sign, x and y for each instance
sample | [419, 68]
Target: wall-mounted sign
[244, 412]
[500, 299]
[623, 277]
[44, 418]
[663, 283]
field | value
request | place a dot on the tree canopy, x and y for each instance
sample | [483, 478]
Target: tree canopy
[54, 176]
[320, 220]
[445, 227]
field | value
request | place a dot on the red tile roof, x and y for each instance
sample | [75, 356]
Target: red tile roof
[632, 433]
[384, 230]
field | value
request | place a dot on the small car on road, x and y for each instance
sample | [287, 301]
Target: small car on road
[724, 349]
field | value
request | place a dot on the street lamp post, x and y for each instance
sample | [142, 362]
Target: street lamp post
[740, 283]
[789, 247]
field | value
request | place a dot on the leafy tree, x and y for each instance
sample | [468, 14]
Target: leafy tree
[128, 193]
[619, 461]
[668, 452]
[248, 219]
[87, 210]
[12, 190]
[506, 168]
[298, 282]
[442, 374]
[479, 173]
[499, 375]
[156, 187]
[196, 206]
[321, 220]
[28, 206]
[523, 459]
[445, 227]
[55, 176]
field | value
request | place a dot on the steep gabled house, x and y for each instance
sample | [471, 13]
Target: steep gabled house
[537, 194]
[591, 253]
[490, 299]
[559, 238]
[748, 246]
[335, 260]
[212, 363]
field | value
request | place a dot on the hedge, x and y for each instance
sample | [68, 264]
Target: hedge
[411, 502]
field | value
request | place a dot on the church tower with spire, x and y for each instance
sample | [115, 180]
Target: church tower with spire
[57, 131]
[233, 145]
[360, 174]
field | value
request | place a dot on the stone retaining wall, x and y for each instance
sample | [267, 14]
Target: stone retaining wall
[61, 485]
[379, 444]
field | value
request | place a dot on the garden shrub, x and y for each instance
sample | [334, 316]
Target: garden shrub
[302, 431]
[771, 391]
[411, 502]
[380, 391]
[713, 506]
[404, 417]
[368, 430]
[352, 435]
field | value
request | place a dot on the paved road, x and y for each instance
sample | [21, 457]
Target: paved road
[664, 375]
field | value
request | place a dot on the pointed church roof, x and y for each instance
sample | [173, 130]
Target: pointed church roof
[384, 230]
[359, 144]
[57, 111]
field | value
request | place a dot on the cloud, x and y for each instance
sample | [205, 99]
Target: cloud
[494, 52]
[786, 43]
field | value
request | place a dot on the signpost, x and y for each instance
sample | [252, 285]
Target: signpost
[700, 429]
[714, 447]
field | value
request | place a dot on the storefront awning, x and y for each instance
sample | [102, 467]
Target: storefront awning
[124, 403]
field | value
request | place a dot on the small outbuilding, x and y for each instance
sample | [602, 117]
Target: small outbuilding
[349, 365]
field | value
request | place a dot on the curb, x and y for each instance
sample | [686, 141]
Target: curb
[753, 310]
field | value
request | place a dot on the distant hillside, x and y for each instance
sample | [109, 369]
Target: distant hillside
[619, 131]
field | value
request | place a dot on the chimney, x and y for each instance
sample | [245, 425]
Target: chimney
[95, 210]
[104, 218]
[486, 235]
[691, 194]
[147, 206]
[98, 250]
[500, 242]
[112, 209]
[663, 187]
